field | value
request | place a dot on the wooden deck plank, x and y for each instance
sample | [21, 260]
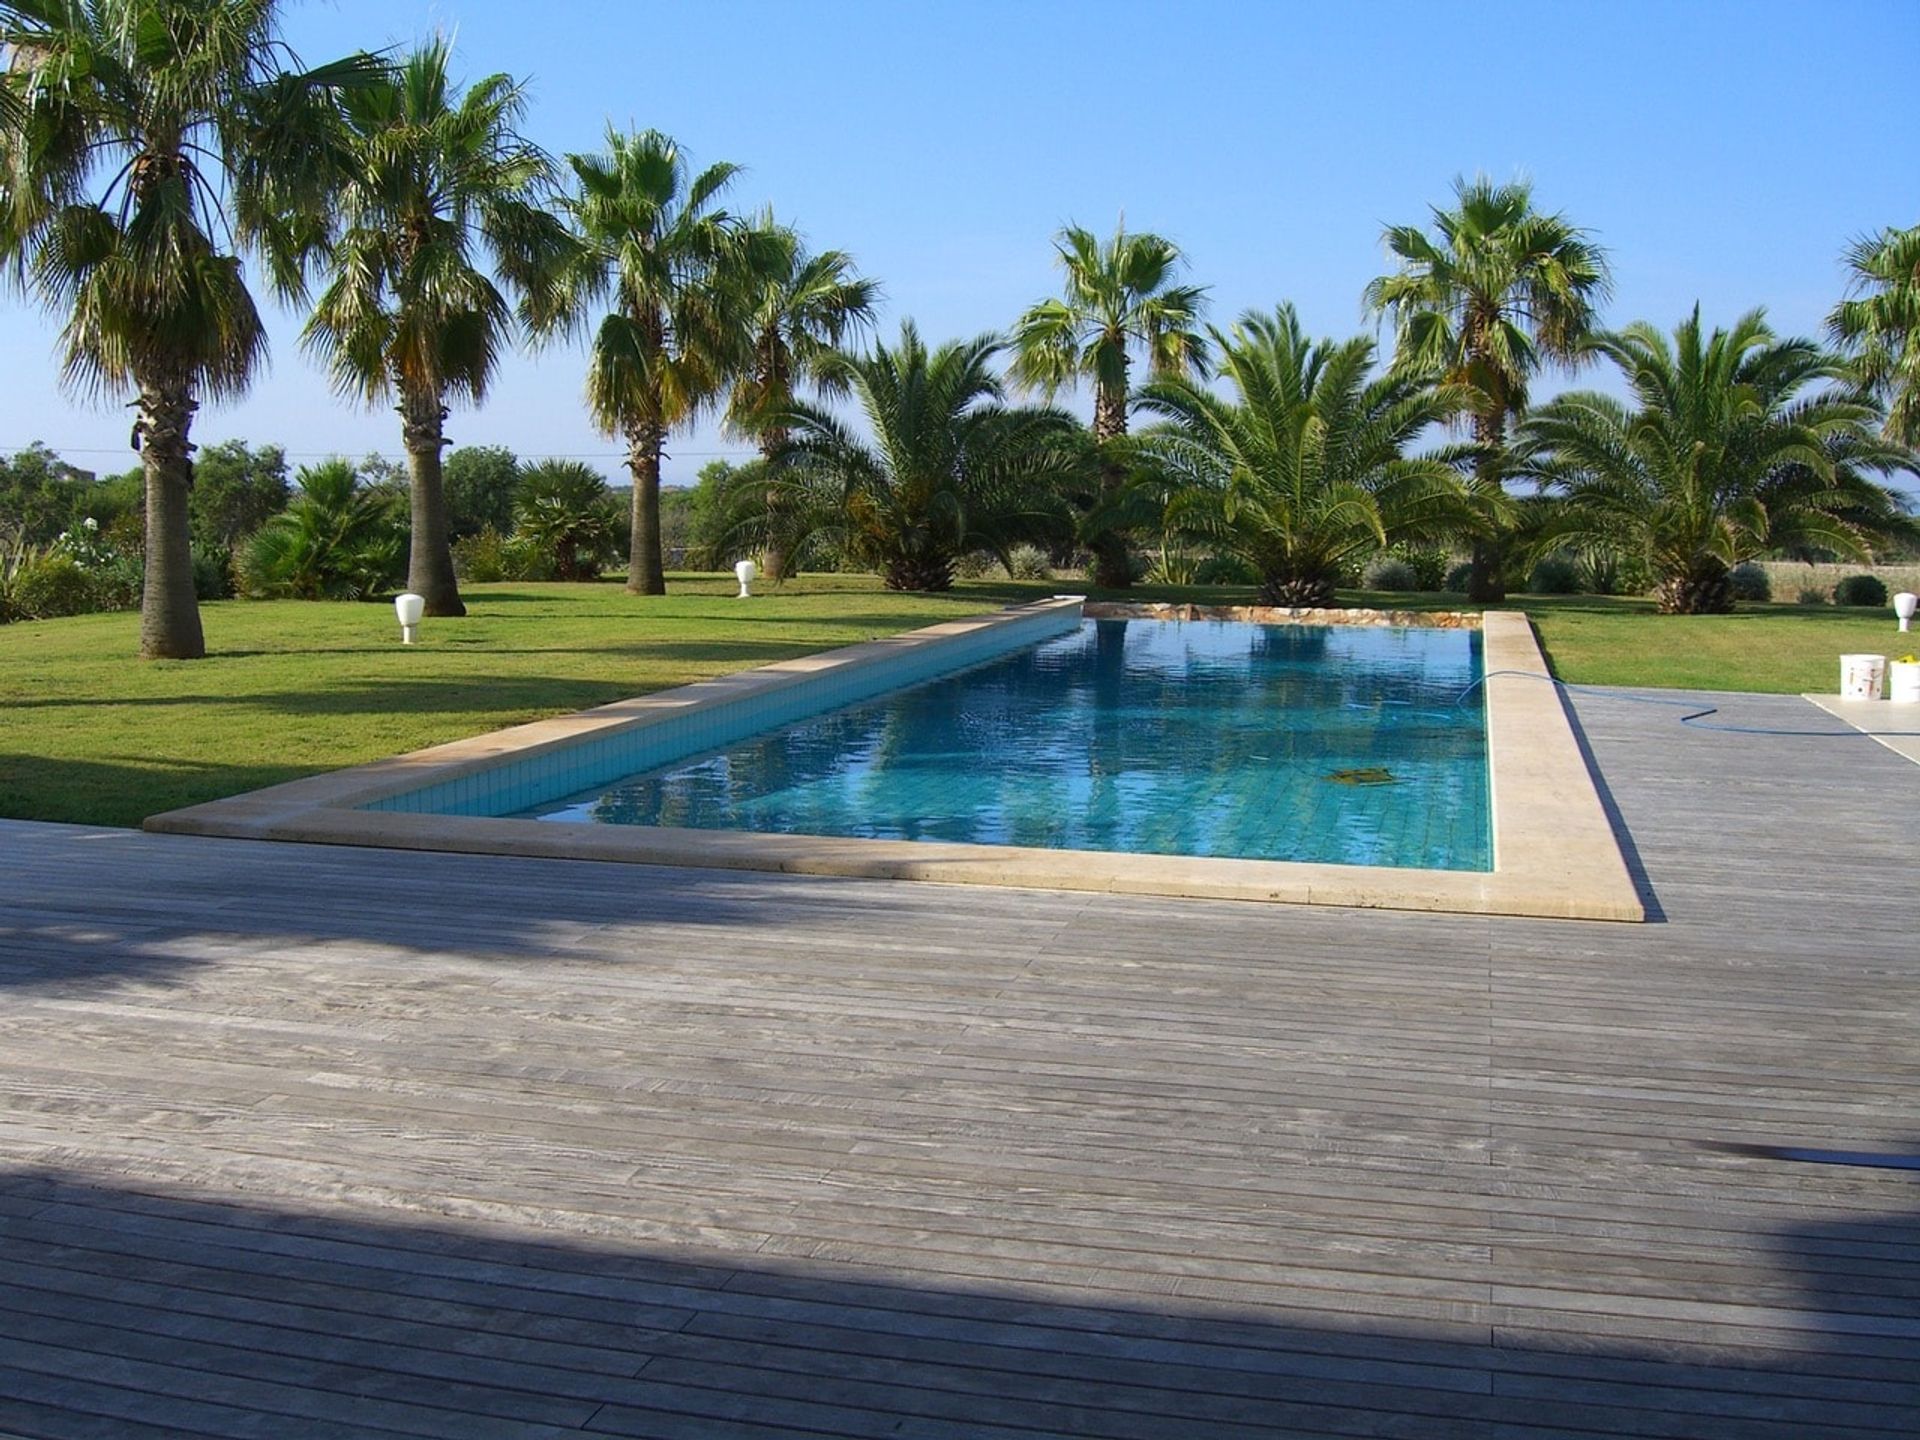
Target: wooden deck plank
[311, 1141]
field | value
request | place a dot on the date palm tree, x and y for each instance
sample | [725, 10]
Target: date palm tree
[1117, 298]
[1305, 471]
[145, 144]
[665, 255]
[1880, 323]
[951, 468]
[1736, 443]
[1498, 292]
[800, 308]
[441, 194]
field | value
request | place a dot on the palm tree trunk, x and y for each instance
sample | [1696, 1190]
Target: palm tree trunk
[1111, 567]
[773, 561]
[430, 556]
[169, 612]
[1487, 561]
[1700, 589]
[646, 575]
[919, 573]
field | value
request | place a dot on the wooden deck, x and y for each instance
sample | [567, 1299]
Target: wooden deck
[322, 1142]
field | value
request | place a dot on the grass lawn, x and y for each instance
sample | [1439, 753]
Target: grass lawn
[90, 734]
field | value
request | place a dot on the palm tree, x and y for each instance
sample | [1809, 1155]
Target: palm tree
[410, 311]
[1726, 453]
[801, 308]
[143, 143]
[564, 509]
[950, 469]
[1498, 293]
[669, 260]
[1118, 297]
[1305, 471]
[1881, 323]
[336, 540]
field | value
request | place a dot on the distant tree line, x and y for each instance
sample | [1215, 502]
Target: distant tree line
[161, 159]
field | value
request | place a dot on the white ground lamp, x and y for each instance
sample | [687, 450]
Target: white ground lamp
[409, 608]
[1903, 606]
[744, 573]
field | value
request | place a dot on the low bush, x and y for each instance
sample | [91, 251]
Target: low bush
[1866, 590]
[1749, 582]
[1225, 570]
[1457, 579]
[481, 557]
[1028, 562]
[1429, 566]
[1555, 575]
[338, 540]
[213, 573]
[1392, 573]
[1809, 595]
[49, 585]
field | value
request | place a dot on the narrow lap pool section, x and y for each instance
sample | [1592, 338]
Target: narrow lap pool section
[1340, 745]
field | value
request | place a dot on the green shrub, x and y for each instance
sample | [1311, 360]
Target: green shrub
[338, 540]
[1429, 566]
[975, 565]
[1457, 579]
[1225, 570]
[1811, 595]
[1866, 590]
[1555, 575]
[1392, 573]
[1028, 562]
[213, 573]
[118, 581]
[1749, 582]
[49, 585]
[482, 557]
[564, 510]
[527, 559]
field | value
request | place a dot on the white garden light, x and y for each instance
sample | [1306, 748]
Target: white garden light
[744, 573]
[409, 608]
[1903, 606]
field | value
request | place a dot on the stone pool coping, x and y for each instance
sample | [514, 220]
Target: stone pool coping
[1555, 853]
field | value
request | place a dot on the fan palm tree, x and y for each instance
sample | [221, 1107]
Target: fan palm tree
[1117, 298]
[1881, 324]
[411, 310]
[951, 468]
[1305, 471]
[1727, 452]
[564, 509]
[143, 142]
[801, 308]
[669, 260]
[336, 540]
[1496, 294]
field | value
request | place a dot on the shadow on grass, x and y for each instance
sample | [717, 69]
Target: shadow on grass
[122, 791]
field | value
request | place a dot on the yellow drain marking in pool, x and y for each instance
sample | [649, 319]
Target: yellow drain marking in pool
[1367, 775]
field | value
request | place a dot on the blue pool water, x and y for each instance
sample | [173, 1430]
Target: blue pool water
[1274, 742]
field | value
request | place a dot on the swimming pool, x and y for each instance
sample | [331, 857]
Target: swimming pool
[1340, 745]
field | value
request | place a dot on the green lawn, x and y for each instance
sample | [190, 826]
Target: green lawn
[90, 734]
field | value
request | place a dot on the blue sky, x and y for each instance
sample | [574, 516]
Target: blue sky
[1723, 152]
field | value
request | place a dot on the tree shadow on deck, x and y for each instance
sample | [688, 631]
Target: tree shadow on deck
[148, 1309]
[201, 901]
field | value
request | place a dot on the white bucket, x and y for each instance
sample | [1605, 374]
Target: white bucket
[1903, 682]
[1861, 676]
